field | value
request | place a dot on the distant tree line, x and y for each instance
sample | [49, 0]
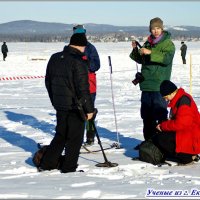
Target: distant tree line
[33, 37]
[95, 37]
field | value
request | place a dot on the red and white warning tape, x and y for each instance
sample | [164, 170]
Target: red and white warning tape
[19, 78]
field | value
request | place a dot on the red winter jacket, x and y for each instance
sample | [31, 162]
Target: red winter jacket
[92, 82]
[91, 78]
[185, 122]
[93, 57]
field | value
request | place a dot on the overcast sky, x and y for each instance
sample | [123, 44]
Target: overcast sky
[121, 13]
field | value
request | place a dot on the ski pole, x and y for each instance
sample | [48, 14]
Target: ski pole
[110, 64]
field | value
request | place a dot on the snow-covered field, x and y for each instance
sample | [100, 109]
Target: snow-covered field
[27, 118]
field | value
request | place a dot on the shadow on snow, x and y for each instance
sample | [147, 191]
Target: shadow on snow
[19, 140]
[126, 143]
[30, 121]
[31, 146]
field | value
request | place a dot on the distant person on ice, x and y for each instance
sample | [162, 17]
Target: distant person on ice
[156, 57]
[183, 52]
[179, 137]
[4, 50]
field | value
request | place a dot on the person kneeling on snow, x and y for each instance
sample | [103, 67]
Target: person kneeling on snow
[179, 137]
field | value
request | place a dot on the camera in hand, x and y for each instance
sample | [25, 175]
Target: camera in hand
[138, 78]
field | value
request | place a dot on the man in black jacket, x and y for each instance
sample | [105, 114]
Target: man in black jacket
[67, 82]
[183, 52]
[4, 50]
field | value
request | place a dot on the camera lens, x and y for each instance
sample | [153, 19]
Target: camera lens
[138, 78]
[135, 81]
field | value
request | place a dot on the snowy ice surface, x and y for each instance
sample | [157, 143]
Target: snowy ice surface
[27, 118]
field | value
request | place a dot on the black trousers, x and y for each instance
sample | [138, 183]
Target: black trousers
[166, 142]
[69, 136]
[183, 59]
[153, 111]
[4, 56]
[90, 134]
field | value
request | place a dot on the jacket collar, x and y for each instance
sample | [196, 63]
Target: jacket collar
[71, 50]
[178, 95]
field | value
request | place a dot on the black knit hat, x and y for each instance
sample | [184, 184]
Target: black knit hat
[78, 39]
[167, 87]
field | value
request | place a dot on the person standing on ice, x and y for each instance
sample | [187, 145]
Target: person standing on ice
[67, 81]
[93, 57]
[156, 56]
[179, 136]
[4, 50]
[183, 52]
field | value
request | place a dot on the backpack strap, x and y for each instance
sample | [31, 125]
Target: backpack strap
[164, 163]
[159, 165]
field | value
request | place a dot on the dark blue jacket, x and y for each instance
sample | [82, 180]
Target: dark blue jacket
[93, 57]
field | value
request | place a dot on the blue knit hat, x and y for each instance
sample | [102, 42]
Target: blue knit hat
[79, 29]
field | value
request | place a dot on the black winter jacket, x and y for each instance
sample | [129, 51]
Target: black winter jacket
[67, 78]
[4, 48]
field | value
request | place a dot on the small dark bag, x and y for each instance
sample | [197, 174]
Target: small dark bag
[38, 156]
[150, 153]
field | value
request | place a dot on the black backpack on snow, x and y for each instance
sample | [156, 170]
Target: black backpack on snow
[150, 153]
[38, 155]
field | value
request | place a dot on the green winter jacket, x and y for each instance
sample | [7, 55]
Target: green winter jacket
[157, 66]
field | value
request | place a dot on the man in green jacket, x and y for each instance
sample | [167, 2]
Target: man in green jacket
[155, 56]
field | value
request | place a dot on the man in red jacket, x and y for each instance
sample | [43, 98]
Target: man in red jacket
[179, 137]
[94, 65]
